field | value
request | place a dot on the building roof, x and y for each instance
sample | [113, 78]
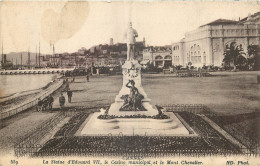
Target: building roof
[221, 22]
[254, 15]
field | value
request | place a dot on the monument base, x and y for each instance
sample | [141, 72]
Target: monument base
[114, 110]
[133, 126]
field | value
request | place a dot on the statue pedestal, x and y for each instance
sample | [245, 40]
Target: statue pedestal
[132, 71]
[133, 126]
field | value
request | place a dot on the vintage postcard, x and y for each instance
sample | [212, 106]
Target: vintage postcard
[129, 83]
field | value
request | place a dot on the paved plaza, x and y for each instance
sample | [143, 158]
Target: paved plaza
[224, 92]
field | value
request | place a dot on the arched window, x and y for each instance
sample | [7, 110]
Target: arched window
[158, 57]
[168, 57]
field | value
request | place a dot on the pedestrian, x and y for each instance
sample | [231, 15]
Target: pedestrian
[87, 77]
[61, 100]
[50, 102]
[69, 93]
[39, 105]
[67, 86]
[44, 104]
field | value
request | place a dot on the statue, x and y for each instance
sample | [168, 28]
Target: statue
[131, 34]
[133, 101]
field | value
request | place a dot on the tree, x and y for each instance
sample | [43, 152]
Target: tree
[234, 55]
[253, 51]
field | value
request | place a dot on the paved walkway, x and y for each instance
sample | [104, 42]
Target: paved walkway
[99, 91]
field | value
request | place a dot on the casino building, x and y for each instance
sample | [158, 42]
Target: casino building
[206, 45]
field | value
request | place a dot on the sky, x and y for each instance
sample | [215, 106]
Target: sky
[72, 25]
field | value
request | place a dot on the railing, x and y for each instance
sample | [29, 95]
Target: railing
[35, 71]
[28, 143]
[185, 73]
[193, 108]
[31, 102]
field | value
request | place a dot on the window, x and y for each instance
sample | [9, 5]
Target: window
[199, 59]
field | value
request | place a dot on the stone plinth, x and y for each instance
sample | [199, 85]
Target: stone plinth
[136, 126]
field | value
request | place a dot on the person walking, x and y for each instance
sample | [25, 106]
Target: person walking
[45, 104]
[39, 105]
[50, 102]
[69, 93]
[87, 77]
[61, 100]
[67, 86]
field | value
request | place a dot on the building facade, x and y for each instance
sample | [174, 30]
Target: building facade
[206, 45]
[159, 57]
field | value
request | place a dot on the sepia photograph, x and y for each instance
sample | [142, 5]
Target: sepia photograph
[129, 83]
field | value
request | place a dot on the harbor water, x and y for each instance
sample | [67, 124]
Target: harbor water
[12, 84]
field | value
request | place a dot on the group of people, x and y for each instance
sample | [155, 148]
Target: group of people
[45, 104]
[62, 98]
[48, 101]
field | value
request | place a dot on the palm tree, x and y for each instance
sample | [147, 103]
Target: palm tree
[252, 51]
[234, 54]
